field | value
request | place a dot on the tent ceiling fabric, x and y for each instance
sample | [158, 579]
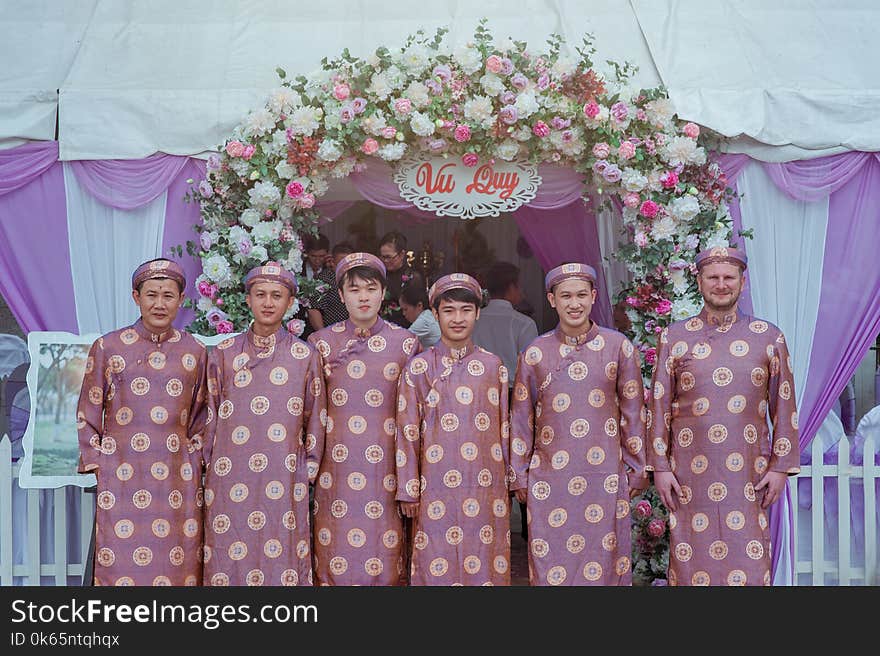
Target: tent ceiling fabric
[795, 79]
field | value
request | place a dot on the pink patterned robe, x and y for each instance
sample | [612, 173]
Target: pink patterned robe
[577, 435]
[358, 529]
[141, 417]
[264, 442]
[714, 386]
[453, 459]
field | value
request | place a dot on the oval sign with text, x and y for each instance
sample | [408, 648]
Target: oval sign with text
[447, 187]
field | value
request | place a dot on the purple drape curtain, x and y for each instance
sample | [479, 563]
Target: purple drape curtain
[127, 184]
[850, 280]
[35, 274]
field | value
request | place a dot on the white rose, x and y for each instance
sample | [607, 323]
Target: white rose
[468, 58]
[259, 254]
[282, 100]
[660, 112]
[259, 122]
[204, 304]
[329, 151]
[239, 166]
[679, 281]
[304, 121]
[418, 94]
[216, 268]
[250, 218]
[422, 124]
[664, 228]
[683, 150]
[492, 84]
[285, 170]
[263, 195]
[683, 308]
[392, 152]
[415, 58]
[478, 109]
[684, 208]
[526, 104]
[633, 180]
[267, 231]
[507, 149]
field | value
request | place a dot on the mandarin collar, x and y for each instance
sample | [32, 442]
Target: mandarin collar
[579, 340]
[150, 336]
[365, 333]
[726, 321]
[456, 355]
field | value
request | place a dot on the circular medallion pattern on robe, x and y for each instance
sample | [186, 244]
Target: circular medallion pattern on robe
[722, 376]
[376, 343]
[436, 510]
[482, 422]
[438, 567]
[717, 492]
[374, 510]
[175, 499]
[718, 550]
[472, 564]
[128, 337]
[464, 395]
[452, 479]
[106, 557]
[735, 520]
[274, 490]
[222, 466]
[592, 571]
[560, 460]
[106, 500]
[597, 343]
[487, 534]
[685, 437]
[242, 378]
[124, 528]
[221, 524]
[611, 427]
[557, 517]
[556, 575]
[338, 565]
[356, 369]
[561, 402]
[541, 490]
[579, 428]
[500, 564]
[476, 368]
[687, 381]
[683, 552]
[718, 433]
[596, 455]
[577, 486]
[238, 492]
[124, 416]
[357, 481]
[470, 507]
[142, 556]
[701, 406]
[694, 324]
[759, 327]
[700, 522]
[357, 424]
[540, 548]
[356, 538]
[374, 398]
[594, 513]
[449, 422]
[701, 351]
[736, 404]
[533, 355]
[189, 361]
[735, 461]
[124, 472]
[338, 508]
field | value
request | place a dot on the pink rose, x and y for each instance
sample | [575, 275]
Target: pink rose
[508, 114]
[641, 115]
[225, 327]
[205, 189]
[543, 81]
[470, 159]
[651, 355]
[601, 150]
[403, 105]
[359, 105]
[664, 306]
[346, 113]
[656, 528]
[669, 179]
[640, 239]
[306, 201]
[632, 301]
[294, 189]
[248, 151]
[370, 146]
[692, 130]
[389, 132]
[591, 109]
[462, 133]
[541, 129]
[649, 209]
[643, 508]
[204, 288]
[626, 150]
[632, 200]
[341, 91]
[619, 111]
[296, 326]
[234, 148]
[218, 301]
[494, 64]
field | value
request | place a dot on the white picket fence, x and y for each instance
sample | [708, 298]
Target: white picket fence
[817, 568]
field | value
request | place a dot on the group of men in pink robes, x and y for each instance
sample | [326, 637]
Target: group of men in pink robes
[205, 461]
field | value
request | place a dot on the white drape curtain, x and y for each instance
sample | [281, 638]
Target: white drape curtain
[610, 224]
[106, 245]
[785, 268]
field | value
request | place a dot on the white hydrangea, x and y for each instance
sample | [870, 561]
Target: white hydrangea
[418, 94]
[468, 58]
[478, 109]
[204, 304]
[684, 208]
[344, 168]
[633, 180]
[267, 231]
[683, 308]
[329, 150]
[216, 268]
[415, 59]
[396, 77]
[660, 112]
[240, 166]
[304, 121]
[522, 133]
[259, 254]
[526, 104]
[374, 124]
[259, 122]
[276, 145]
[392, 152]
[294, 261]
[285, 170]
[264, 195]
[664, 228]
[492, 84]
[332, 120]
[683, 150]
[679, 281]
[237, 234]
[282, 100]
[716, 239]
[422, 124]
[319, 185]
[250, 217]
[507, 149]
[563, 67]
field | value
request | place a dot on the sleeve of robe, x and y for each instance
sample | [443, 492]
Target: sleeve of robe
[631, 401]
[213, 376]
[316, 416]
[90, 409]
[198, 414]
[408, 437]
[522, 423]
[783, 411]
[660, 417]
[504, 422]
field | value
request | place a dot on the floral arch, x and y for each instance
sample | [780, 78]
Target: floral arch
[475, 102]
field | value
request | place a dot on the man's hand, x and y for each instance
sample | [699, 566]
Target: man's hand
[775, 484]
[667, 484]
[409, 509]
[521, 495]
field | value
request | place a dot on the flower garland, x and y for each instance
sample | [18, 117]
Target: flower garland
[476, 102]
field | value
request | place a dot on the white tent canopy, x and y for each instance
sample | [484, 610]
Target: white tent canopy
[788, 79]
